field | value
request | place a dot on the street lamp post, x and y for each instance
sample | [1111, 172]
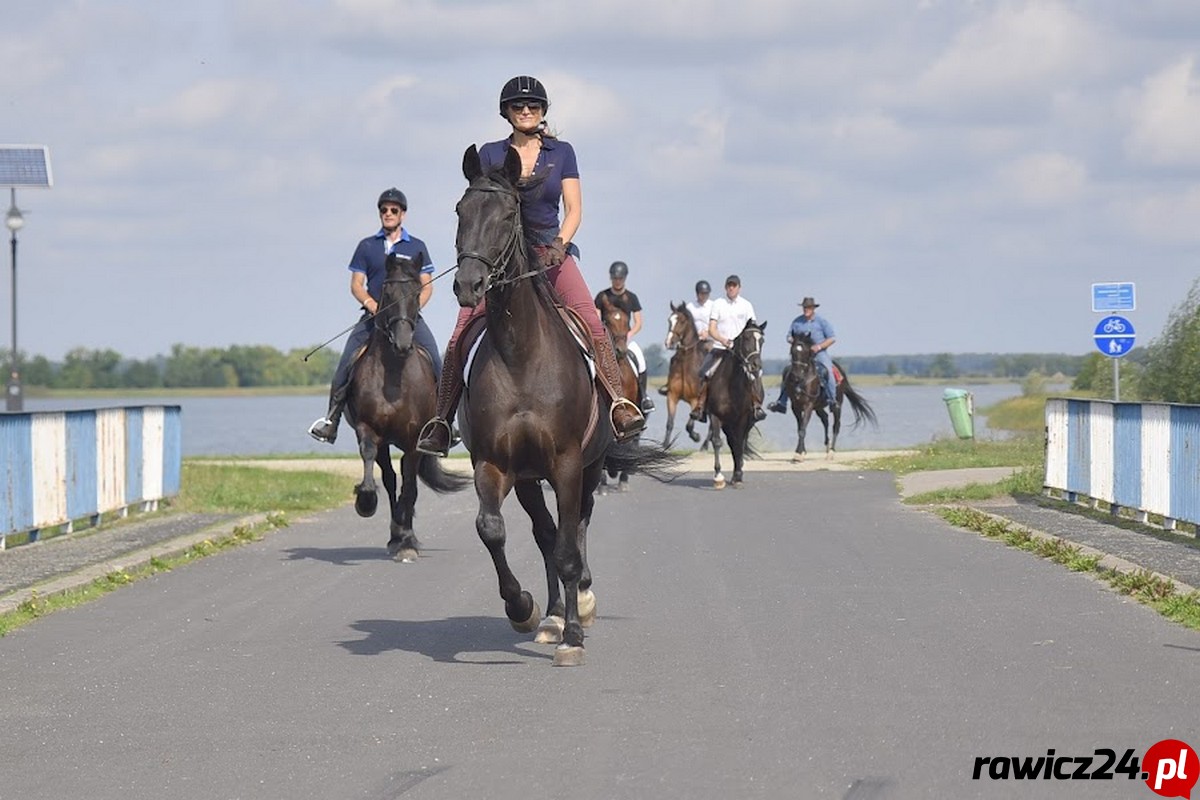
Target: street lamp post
[14, 221]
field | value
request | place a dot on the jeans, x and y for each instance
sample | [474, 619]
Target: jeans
[824, 371]
[422, 336]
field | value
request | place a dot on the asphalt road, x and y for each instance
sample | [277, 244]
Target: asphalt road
[807, 636]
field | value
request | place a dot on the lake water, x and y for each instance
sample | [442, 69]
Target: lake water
[269, 425]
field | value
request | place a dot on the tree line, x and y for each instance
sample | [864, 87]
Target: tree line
[262, 365]
[1167, 370]
[184, 367]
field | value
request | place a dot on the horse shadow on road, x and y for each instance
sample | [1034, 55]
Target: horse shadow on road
[346, 556]
[456, 640]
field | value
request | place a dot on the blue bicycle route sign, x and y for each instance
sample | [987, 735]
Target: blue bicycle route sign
[1113, 297]
[1114, 336]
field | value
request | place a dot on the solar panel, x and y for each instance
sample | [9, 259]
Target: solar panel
[25, 165]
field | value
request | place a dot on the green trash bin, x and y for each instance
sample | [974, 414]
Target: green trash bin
[961, 405]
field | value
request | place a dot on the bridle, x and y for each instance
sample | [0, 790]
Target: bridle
[746, 361]
[497, 265]
[672, 336]
[393, 320]
[802, 356]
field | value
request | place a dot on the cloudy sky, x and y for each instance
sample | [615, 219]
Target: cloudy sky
[942, 175]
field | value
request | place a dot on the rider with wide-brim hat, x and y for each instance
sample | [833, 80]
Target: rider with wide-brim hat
[821, 333]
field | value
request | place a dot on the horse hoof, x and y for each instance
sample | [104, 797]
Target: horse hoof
[718, 483]
[365, 503]
[531, 624]
[405, 555]
[798, 458]
[623, 486]
[737, 484]
[567, 656]
[550, 631]
[587, 608]
[695, 437]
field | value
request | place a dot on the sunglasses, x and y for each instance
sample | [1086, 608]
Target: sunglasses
[520, 105]
[390, 210]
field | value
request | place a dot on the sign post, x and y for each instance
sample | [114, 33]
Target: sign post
[1114, 337]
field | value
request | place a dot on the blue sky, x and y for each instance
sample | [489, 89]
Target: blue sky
[942, 176]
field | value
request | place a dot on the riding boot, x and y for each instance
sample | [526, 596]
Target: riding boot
[437, 437]
[647, 403]
[627, 419]
[326, 428]
[700, 412]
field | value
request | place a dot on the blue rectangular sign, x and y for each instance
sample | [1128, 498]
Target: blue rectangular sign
[1112, 297]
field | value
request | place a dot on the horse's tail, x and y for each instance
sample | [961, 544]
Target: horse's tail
[862, 409]
[431, 472]
[649, 459]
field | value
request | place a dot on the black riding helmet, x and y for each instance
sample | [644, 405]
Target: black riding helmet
[702, 287]
[393, 195]
[523, 87]
[619, 269]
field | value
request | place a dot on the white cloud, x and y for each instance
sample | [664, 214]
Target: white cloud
[870, 134]
[1044, 179]
[1165, 117]
[1163, 216]
[1016, 52]
[208, 102]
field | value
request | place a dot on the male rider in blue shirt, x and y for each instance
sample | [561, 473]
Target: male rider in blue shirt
[821, 333]
[368, 268]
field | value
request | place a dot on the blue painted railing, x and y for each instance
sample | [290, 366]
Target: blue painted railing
[1140, 456]
[59, 467]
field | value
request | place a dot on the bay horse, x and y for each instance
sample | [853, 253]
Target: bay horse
[733, 390]
[392, 392]
[802, 381]
[530, 411]
[618, 324]
[683, 373]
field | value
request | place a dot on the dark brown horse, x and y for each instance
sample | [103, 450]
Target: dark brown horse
[733, 390]
[618, 323]
[392, 392]
[683, 373]
[530, 412]
[802, 381]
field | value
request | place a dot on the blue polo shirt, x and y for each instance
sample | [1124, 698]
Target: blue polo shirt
[542, 193]
[370, 257]
[818, 328]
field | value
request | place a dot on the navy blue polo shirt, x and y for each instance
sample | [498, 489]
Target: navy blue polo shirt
[542, 193]
[370, 257]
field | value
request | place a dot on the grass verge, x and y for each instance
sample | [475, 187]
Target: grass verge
[1147, 588]
[228, 488]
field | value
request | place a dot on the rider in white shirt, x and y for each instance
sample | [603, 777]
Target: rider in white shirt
[701, 311]
[727, 319]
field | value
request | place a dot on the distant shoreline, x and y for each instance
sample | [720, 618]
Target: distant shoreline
[870, 380]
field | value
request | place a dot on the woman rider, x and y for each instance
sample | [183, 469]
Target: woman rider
[549, 173]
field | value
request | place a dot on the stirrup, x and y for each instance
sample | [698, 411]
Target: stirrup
[638, 424]
[427, 432]
[323, 430]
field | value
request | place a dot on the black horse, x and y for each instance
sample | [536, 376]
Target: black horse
[530, 412]
[618, 324]
[392, 392]
[733, 390]
[802, 382]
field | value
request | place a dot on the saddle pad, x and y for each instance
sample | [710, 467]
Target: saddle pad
[587, 354]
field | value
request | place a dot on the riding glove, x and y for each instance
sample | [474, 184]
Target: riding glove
[553, 254]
